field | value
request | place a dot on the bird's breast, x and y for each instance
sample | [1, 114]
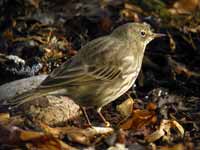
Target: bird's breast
[131, 69]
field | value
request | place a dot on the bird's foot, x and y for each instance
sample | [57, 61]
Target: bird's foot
[107, 124]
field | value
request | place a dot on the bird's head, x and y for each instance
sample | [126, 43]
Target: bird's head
[136, 32]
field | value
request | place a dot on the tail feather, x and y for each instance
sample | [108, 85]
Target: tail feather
[25, 97]
[32, 95]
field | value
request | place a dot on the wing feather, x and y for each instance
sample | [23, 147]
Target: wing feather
[80, 71]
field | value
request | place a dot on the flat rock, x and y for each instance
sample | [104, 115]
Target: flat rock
[50, 110]
[14, 88]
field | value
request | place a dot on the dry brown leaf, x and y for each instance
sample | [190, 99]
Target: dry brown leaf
[30, 135]
[131, 12]
[74, 134]
[78, 135]
[139, 119]
[188, 29]
[132, 7]
[71, 52]
[34, 3]
[7, 120]
[130, 15]
[179, 68]
[48, 143]
[35, 38]
[126, 108]
[105, 24]
[121, 138]
[9, 135]
[4, 117]
[8, 34]
[175, 147]
[184, 6]
[118, 146]
[53, 53]
[164, 131]
[151, 106]
[13, 135]
[86, 136]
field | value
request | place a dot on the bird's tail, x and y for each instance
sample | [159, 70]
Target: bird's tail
[25, 97]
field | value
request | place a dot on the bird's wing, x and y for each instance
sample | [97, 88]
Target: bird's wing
[87, 67]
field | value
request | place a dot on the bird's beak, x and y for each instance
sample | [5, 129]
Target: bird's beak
[158, 35]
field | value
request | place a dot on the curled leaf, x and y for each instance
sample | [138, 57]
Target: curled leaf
[164, 131]
[184, 6]
[140, 119]
[78, 135]
[126, 108]
[4, 117]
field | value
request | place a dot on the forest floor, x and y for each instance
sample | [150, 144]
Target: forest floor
[161, 111]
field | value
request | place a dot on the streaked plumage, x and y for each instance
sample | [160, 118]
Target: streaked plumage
[103, 69]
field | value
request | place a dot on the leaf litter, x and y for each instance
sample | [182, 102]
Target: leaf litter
[48, 33]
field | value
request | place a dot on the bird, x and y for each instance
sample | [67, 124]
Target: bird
[102, 70]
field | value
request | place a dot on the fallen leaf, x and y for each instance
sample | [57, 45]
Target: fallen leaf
[164, 131]
[139, 119]
[126, 108]
[105, 24]
[48, 143]
[184, 6]
[179, 68]
[78, 135]
[12, 135]
[131, 12]
[174, 147]
[8, 34]
[9, 135]
[4, 117]
[118, 146]
[30, 135]
[34, 3]
[132, 7]
[151, 106]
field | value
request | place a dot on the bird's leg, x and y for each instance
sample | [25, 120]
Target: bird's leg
[85, 115]
[102, 117]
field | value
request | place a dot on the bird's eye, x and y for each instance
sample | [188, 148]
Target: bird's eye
[143, 33]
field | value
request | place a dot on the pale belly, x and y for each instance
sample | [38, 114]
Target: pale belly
[117, 89]
[101, 94]
[120, 86]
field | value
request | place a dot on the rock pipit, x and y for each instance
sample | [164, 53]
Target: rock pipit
[103, 70]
